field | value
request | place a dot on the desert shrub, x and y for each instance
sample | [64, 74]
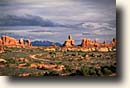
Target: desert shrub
[106, 70]
[113, 69]
[52, 53]
[92, 71]
[10, 61]
[68, 68]
[99, 72]
[82, 53]
[85, 71]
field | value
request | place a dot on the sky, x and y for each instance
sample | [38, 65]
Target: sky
[54, 20]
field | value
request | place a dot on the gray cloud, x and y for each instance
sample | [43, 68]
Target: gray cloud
[81, 18]
[27, 20]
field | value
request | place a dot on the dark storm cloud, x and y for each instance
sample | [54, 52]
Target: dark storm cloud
[28, 20]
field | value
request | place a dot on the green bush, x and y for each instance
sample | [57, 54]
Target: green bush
[106, 70]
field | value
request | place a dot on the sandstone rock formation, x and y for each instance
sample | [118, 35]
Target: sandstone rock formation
[69, 42]
[2, 60]
[89, 43]
[6, 40]
[0, 42]
[113, 42]
[96, 43]
[21, 42]
[104, 44]
[86, 44]
[83, 43]
[1, 49]
[10, 42]
[28, 43]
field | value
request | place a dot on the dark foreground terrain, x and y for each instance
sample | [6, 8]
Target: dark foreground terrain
[43, 62]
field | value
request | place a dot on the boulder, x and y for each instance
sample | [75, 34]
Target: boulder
[2, 60]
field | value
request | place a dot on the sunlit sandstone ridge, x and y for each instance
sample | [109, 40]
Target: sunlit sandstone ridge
[69, 42]
[12, 42]
[89, 45]
[69, 45]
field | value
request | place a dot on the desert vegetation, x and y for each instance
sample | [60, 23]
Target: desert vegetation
[88, 59]
[40, 62]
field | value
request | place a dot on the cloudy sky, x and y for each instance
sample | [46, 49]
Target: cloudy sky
[54, 20]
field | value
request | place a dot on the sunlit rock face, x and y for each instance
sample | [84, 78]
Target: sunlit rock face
[0, 42]
[21, 41]
[113, 42]
[86, 44]
[89, 43]
[10, 41]
[28, 43]
[69, 42]
[6, 40]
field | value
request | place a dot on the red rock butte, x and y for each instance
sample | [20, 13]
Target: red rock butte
[89, 43]
[10, 41]
[69, 42]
